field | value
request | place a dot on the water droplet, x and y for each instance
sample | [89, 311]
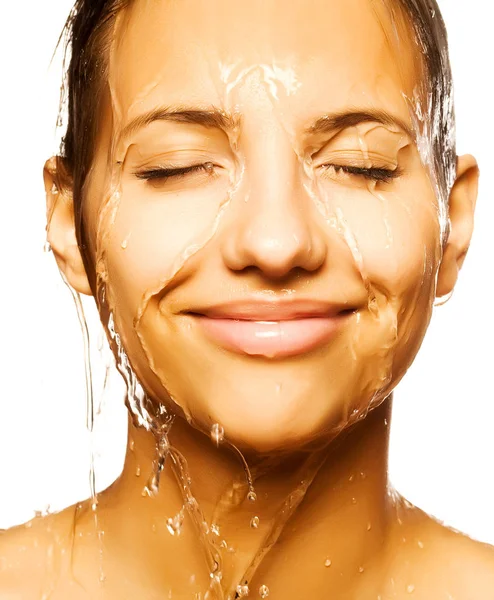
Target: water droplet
[123, 245]
[242, 591]
[47, 247]
[192, 579]
[138, 471]
[174, 524]
[350, 478]
[215, 529]
[102, 578]
[354, 500]
[327, 562]
[362, 475]
[264, 591]
[254, 522]
[410, 588]
[385, 422]
[94, 506]
[361, 569]
[251, 496]
[369, 526]
[217, 433]
[420, 544]
[223, 544]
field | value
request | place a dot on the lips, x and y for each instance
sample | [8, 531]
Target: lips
[272, 330]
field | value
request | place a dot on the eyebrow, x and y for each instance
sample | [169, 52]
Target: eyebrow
[219, 119]
[339, 121]
[212, 118]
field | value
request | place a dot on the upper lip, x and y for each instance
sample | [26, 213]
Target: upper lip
[276, 310]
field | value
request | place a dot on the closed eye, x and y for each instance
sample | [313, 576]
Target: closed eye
[164, 173]
[379, 174]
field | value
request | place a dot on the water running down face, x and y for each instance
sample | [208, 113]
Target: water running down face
[265, 228]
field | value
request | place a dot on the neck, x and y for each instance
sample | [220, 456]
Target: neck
[334, 502]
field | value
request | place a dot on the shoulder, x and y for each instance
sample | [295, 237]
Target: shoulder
[33, 555]
[468, 564]
[443, 563]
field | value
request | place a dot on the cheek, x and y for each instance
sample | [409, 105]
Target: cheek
[395, 239]
[398, 238]
[152, 236]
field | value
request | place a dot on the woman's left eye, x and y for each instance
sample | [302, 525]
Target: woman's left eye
[379, 174]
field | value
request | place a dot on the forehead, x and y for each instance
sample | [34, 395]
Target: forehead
[320, 55]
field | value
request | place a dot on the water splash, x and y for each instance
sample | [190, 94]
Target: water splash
[90, 417]
[174, 524]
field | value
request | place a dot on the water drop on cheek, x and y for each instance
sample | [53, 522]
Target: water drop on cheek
[264, 591]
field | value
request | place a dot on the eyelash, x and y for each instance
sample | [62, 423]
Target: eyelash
[377, 174]
[163, 174]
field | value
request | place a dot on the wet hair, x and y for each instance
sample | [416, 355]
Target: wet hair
[88, 35]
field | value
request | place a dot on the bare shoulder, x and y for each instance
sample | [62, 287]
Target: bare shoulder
[33, 555]
[439, 562]
[468, 564]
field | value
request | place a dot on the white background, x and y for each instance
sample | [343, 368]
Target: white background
[442, 449]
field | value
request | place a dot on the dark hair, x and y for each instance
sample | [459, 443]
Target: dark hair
[88, 32]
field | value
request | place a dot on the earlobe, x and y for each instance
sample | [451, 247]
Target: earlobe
[60, 227]
[461, 210]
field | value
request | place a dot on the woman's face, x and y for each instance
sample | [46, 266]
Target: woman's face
[283, 286]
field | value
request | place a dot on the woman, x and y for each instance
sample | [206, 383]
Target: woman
[265, 201]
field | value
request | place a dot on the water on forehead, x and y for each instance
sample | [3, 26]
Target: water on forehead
[324, 50]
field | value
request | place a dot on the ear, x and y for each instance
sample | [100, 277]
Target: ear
[462, 201]
[61, 226]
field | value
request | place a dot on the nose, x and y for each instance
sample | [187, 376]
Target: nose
[274, 226]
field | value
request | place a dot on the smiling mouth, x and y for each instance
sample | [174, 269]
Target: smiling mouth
[274, 338]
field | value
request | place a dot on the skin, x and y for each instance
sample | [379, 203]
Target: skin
[271, 221]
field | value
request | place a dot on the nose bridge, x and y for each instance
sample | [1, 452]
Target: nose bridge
[275, 228]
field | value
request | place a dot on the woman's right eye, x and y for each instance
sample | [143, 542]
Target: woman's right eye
[162, 174]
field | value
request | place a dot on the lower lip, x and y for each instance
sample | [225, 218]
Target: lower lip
[272, 339]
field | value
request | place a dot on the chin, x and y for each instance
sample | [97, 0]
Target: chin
[282, 423]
